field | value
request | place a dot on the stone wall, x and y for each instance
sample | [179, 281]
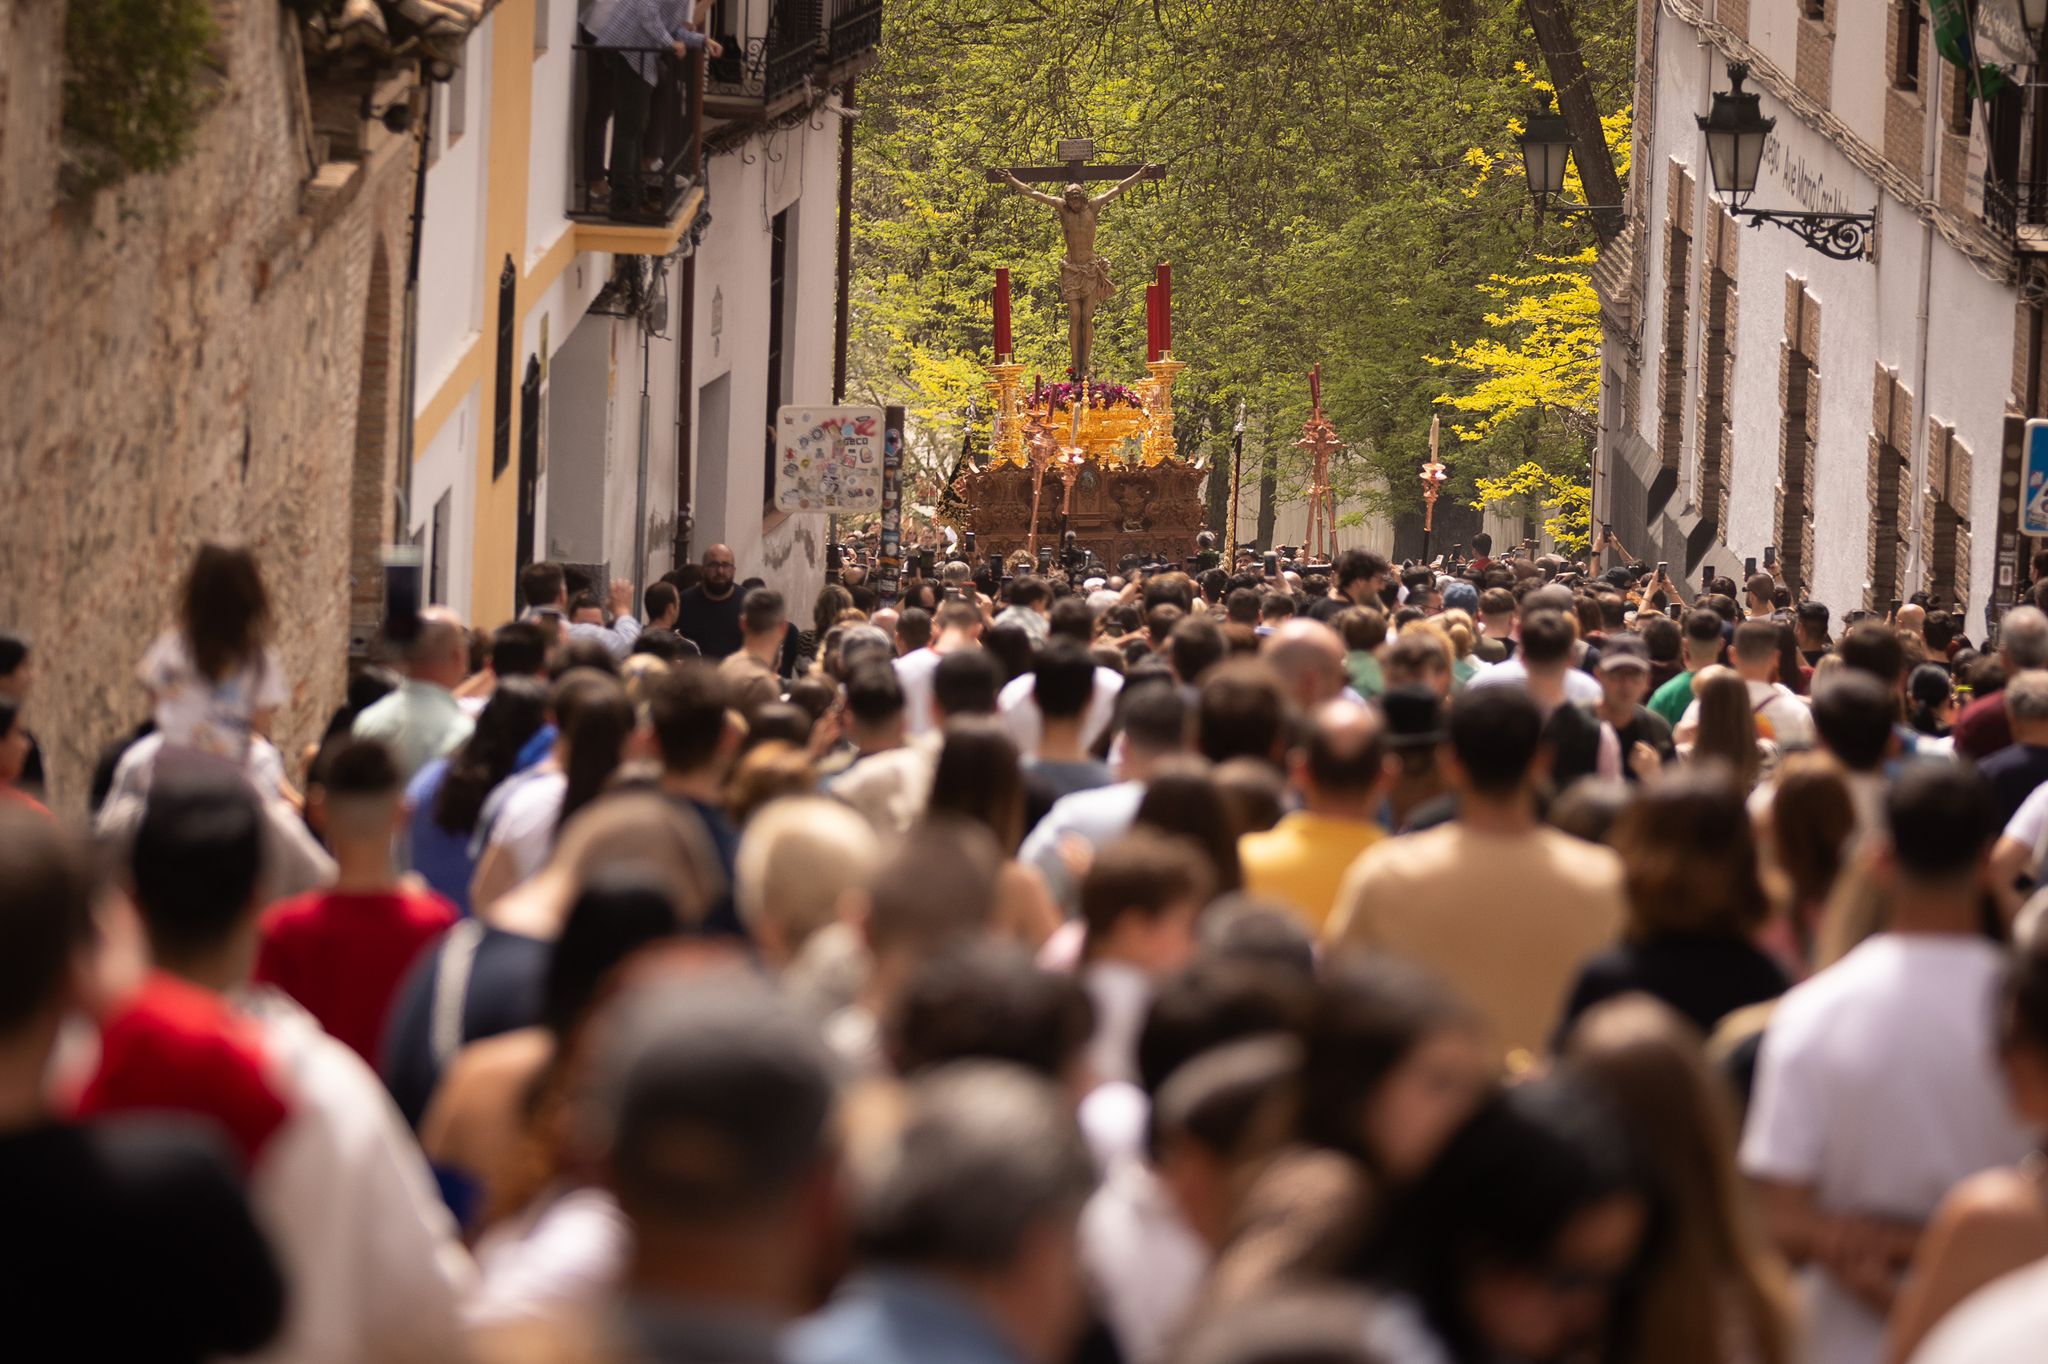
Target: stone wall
[182, 357]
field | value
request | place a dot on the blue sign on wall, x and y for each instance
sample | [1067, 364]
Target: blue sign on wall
[2034, 473]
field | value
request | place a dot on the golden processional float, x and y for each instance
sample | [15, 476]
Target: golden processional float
[1124, 490]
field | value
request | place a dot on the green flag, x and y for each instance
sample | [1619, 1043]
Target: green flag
[1956, 40]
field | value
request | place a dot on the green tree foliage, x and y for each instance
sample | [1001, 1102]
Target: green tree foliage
[136, 84]
[1322, 203]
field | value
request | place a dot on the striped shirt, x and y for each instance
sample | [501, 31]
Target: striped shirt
[651, 24]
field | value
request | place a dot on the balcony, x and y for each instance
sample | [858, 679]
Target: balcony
[853, 29]
[772, 49]
[628, 200]
[2018, 213]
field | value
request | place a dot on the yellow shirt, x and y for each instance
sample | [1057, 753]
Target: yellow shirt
[1301, 861]
[1507, 919]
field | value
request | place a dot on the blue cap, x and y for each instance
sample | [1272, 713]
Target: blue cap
[1461, 596]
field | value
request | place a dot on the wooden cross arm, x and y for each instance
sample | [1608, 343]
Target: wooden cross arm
[1063, 175]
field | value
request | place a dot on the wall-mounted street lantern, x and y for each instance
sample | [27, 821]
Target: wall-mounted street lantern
[1736, 132]
[1546, 158]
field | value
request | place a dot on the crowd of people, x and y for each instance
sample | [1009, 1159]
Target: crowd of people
[1501, 962]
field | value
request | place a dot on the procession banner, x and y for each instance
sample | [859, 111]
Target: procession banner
[828, 459]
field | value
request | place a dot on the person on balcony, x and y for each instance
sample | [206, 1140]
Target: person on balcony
[630, 37]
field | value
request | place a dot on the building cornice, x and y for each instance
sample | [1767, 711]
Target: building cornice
[1993, 257]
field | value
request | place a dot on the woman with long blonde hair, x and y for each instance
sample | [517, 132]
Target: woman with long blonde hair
[1714, 1292]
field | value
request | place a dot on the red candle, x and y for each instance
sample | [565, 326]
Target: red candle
[1165, 307]
[1002, 315]
[1151, 322]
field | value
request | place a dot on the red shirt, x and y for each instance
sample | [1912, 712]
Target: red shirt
[342, 956]
[174, 1047]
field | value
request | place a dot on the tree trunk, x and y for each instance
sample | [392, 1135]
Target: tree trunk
[1560, 45]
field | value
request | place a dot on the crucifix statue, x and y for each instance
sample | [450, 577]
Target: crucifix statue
[1084, 275]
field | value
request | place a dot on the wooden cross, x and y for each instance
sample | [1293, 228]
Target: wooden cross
[1075, 168]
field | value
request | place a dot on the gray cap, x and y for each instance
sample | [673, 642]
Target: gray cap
[1624, 651]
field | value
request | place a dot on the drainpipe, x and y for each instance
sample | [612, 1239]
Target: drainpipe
[686, 333]
[1931, 138]
[843, 319]
[640, 493]
[401, 510]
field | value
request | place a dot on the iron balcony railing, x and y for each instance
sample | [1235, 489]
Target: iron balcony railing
[854, 28]
[639, 148]
[771, 47]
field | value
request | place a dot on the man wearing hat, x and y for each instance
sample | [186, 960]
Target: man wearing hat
[1624, 674]
[1417, 797]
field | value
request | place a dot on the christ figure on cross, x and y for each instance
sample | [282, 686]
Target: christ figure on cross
[1084, 276]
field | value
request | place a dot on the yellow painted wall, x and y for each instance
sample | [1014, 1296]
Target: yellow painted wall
[509, 112]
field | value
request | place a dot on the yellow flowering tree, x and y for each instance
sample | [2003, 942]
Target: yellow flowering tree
[1530, 383]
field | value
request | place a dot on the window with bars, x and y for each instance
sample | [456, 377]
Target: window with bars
[778, 278]
[1800, 383]
[1945, 526]
[1677, 300]
[1891, 426]
[501, 408]
[1910, 26]
[1717, 366]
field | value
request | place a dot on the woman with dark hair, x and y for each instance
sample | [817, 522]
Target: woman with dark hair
[1183, 799]
[980, 778]
[1696, 901]
[1393, 1062]
[520, 821]
[1012, 646]
[14, 747]
[1930, 702]
[213, 679]
[1994, 1222]
[446, 797]
[1727, 728]
[1813, 819]
[1793, 669]
[1714, 1292]
[1525, 1240]
[833, 602]
[494, 1130]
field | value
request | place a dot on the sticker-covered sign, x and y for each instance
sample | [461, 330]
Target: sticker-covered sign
[828, 459]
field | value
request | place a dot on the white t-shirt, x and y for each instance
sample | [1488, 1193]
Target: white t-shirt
[195, 711]
[525, 825]
[1018, 705]
[2030, 821]
[914, 674]
[1579, 686]
[1878, 1088]
[2001, 1323]
[1791, 720]
[1146, 1262]
[373, 1268]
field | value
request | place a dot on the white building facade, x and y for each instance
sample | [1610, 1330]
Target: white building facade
[592, 378]
[1857, 418]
